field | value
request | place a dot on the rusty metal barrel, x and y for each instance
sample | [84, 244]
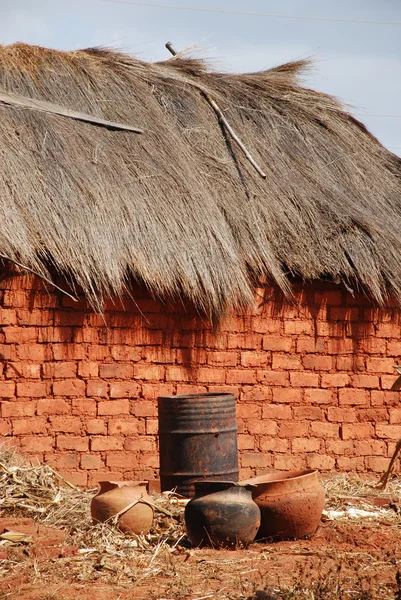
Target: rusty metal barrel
[197, 439]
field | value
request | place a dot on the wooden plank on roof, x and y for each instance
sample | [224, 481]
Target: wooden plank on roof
[56, 109]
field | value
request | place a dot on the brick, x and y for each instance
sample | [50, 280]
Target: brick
[254, 359]
[273, 444]
[97, 388]
[280, 412]
[254, 393]
[91, 461]
[288, 463]
[324, 430]
[60, 370]
[373, 345]
[298, 327]
[282, 395]
[88, 369]
[317, 396]
[22, 369]
[373, 415]
[395, 416]
[152, 391]
[370, 447]
[277, 343]
[145, 445]
[305, 445]
[239, 376]
[249, 411]
[391, 432]
[380, 365]
[124, 427]
[122, 460]
[21, 335]
[32, 389]
[387, 330]
[72, 387]
[262, 324]
[116, 371]
[330, 298]
[72, 442]
[61, 461]
[68, 352]
[69, 318]
[244, 341]
[18, 409]
[393, 348]
[83, 406]
[54, 334]
[95, 476]
[96, 426]
[53, 407]
[246, 442]
[304, 379]
[365, 381]
[279, 378]
[385, 398]
[95, 352]
[330, 380]
[29, 426]
[65, 424]
[185, 388]
[340, 447]
[322, 462]
[286, 361]
[125, 353]
[342, 313]
[178, 373]
[8, 316]
[312, 413]
[377, 464]
[310, 344]
[259, 427]
[341, 415]
[387, 381]
[316, 362]
[77, 478]
[256, 460]
[292, 429]
[37, 443]
[7, 389]
[350, 363]
[6, 428]
[357, 431]
[144, 408]
[352, 396]
[124, 389]
[350, 463]
[113, 407]
[222, 359]
[152, 426]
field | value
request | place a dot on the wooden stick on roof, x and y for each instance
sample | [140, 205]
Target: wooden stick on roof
[221, 116]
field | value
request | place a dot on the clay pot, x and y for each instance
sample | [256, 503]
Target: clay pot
[115, 496]
[222, 514]
[291, 503]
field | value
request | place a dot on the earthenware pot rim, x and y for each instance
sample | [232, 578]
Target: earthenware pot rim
[120, 484]
[278, 477]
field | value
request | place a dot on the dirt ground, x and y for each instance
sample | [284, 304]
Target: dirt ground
[359, 560]
[50, 549]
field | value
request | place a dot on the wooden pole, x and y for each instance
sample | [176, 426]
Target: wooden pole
[222, 118]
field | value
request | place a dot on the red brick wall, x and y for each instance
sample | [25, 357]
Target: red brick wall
[313, 379]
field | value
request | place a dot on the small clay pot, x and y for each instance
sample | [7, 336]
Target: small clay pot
[291, 503]
[222, 514]
[115, 496]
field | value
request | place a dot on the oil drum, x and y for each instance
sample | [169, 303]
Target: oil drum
[197, 440]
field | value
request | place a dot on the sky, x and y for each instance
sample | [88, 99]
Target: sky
[359, 63]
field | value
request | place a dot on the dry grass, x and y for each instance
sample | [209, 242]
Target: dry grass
[164, 559]
[179, 208]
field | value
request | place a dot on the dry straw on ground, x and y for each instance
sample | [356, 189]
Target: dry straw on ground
[179, 207]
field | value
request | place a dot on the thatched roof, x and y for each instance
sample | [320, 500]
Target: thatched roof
[175, 208]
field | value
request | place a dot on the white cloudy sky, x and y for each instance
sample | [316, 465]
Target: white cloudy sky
[357, 62]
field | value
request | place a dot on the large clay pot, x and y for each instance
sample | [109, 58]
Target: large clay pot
[222, 514]
[115, 496]
[291, 503]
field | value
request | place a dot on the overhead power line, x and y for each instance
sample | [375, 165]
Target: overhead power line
[251, 14]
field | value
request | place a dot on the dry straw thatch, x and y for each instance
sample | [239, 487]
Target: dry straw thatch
[179, 208]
